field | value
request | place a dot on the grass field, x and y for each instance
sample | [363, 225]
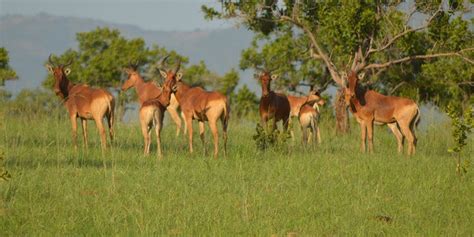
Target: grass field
[332, 189]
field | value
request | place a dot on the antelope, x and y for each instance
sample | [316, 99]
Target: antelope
[150, 90]
[308, 117]
[153, 103]
[198, 104]
[83, 102]
[297, 102]
[369, 107]
[273, 106]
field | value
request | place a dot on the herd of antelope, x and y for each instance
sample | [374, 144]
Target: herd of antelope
[195, 103]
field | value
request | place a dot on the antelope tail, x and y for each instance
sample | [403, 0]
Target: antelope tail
[418, 116]
[226, 114]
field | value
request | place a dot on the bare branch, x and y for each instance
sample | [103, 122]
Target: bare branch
[396, 87]
[406, 31]
[332, 68]
[427, 56]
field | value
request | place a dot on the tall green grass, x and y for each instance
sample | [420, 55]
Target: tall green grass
[331, 189]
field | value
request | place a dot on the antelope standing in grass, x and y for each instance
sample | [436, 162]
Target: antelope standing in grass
[297, 102]
[369, 107]
[198, 104]
[308, 117]
[150, 90]
[153, 103]
[273, 106]
[83, 102]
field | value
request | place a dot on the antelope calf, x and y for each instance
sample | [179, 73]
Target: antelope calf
[369, 107]
[83, 102]
[308, 117]
[152, 113]
[153, 103]
[198, 104]
[149, 91]
[273, 106]
[297, 102]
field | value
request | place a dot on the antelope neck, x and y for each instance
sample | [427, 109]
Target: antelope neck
[65, 87]
[182, 88]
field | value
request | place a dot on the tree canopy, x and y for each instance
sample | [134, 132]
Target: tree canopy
[6, 72]
[382, 38]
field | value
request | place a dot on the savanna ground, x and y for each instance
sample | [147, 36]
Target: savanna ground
[331, 189]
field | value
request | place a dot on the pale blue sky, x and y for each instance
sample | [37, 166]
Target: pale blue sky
[147, 14]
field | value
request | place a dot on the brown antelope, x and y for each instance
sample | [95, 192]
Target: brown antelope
[150, 90]
[198, 104]
[153, 103]
[273, 106]
[297, 102]
[369, 107]
[83, 102]
[308, 117]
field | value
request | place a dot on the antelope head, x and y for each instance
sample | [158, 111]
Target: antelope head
[171, 78]
[350, 88]
[132, 75]
[266, 78]
[314, 96]
[59, 72]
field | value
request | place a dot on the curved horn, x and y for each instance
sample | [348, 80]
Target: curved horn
[177, 66]
[68, 63]
[162, 62]
[50, 60]
[133, 65]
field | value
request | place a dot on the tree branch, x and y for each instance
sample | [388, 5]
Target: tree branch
[427, 56]
[396, 87]
[314, 43]
[405, 32]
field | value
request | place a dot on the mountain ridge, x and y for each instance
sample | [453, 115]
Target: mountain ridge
[30, 39]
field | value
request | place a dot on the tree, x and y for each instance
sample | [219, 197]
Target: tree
[371, 36]
[6, 73]
[245, 102]
[228, 83]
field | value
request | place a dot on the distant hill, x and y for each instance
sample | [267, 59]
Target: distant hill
[30, 39]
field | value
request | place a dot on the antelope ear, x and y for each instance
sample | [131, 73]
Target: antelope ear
[163, 74]
[174, 88]
[274, 76]
[67, 71]
[179, 75]
[50, 68]
[361, 75]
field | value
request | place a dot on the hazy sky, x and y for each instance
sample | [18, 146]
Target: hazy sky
[148, 14]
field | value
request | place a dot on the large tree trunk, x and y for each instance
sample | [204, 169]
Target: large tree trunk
[342, 115]
[121, 103]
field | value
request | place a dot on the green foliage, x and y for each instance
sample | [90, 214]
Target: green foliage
[6, 72]
[229, 82]
[284, 54]
[266, 138]
[34, 103]
[4, 95]
[462, 124]
[101, 56]
[340, 29]
[245, 102]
